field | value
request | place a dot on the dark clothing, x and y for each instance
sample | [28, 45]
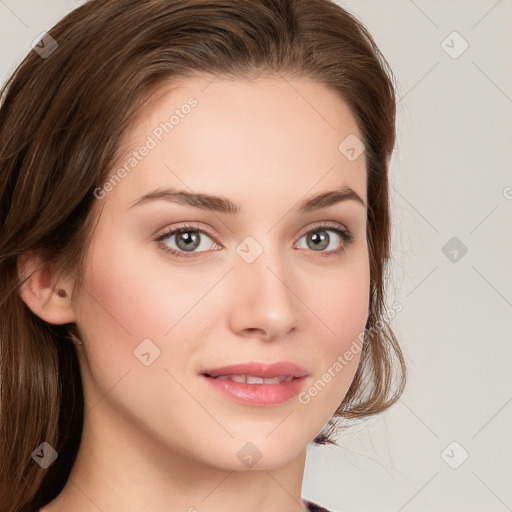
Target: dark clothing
[313, 507]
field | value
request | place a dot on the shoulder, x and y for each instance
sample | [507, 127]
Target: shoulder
[313, 507]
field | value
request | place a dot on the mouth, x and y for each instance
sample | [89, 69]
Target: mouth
[258, 384]
[253, 379]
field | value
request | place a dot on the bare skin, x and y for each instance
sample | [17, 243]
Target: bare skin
[158, 437]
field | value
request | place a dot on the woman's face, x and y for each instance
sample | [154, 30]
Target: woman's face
[272, 282]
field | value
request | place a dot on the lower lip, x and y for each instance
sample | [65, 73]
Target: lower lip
[258, 394]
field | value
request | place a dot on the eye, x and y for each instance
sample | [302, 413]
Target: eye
[187, 239]
[320, 240]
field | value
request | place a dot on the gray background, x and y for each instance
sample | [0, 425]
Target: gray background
[450, 177]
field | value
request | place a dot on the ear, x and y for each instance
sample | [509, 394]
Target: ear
[48, 296]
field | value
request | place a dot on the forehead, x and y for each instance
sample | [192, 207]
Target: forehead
[264, 98]
[216, 134]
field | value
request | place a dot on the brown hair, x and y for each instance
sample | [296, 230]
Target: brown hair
[61, 120]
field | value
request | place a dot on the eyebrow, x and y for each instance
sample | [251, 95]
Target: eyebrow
[224, 205]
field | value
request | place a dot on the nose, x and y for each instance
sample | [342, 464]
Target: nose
[265, 304]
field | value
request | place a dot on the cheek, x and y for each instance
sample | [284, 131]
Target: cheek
[341, 301]
[130, 296]
[338, 354]
[342, 304]
[115, 308]
[131, 292]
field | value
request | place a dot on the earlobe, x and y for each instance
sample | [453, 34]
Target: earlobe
[47, 297]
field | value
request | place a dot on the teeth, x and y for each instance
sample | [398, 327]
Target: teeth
[257, 380]
[251, 379]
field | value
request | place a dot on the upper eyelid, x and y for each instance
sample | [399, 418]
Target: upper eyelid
[324, 224]
[170, 231]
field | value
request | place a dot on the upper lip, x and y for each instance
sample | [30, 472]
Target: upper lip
[264, 370]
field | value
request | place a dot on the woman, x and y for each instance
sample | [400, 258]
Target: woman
[195, 231]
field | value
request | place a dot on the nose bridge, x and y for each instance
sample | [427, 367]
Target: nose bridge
[264, 297]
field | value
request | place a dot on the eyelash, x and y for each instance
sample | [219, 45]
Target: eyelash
[343, 232]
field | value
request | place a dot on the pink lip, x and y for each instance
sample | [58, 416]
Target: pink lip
[265, 370]
[258, 394]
